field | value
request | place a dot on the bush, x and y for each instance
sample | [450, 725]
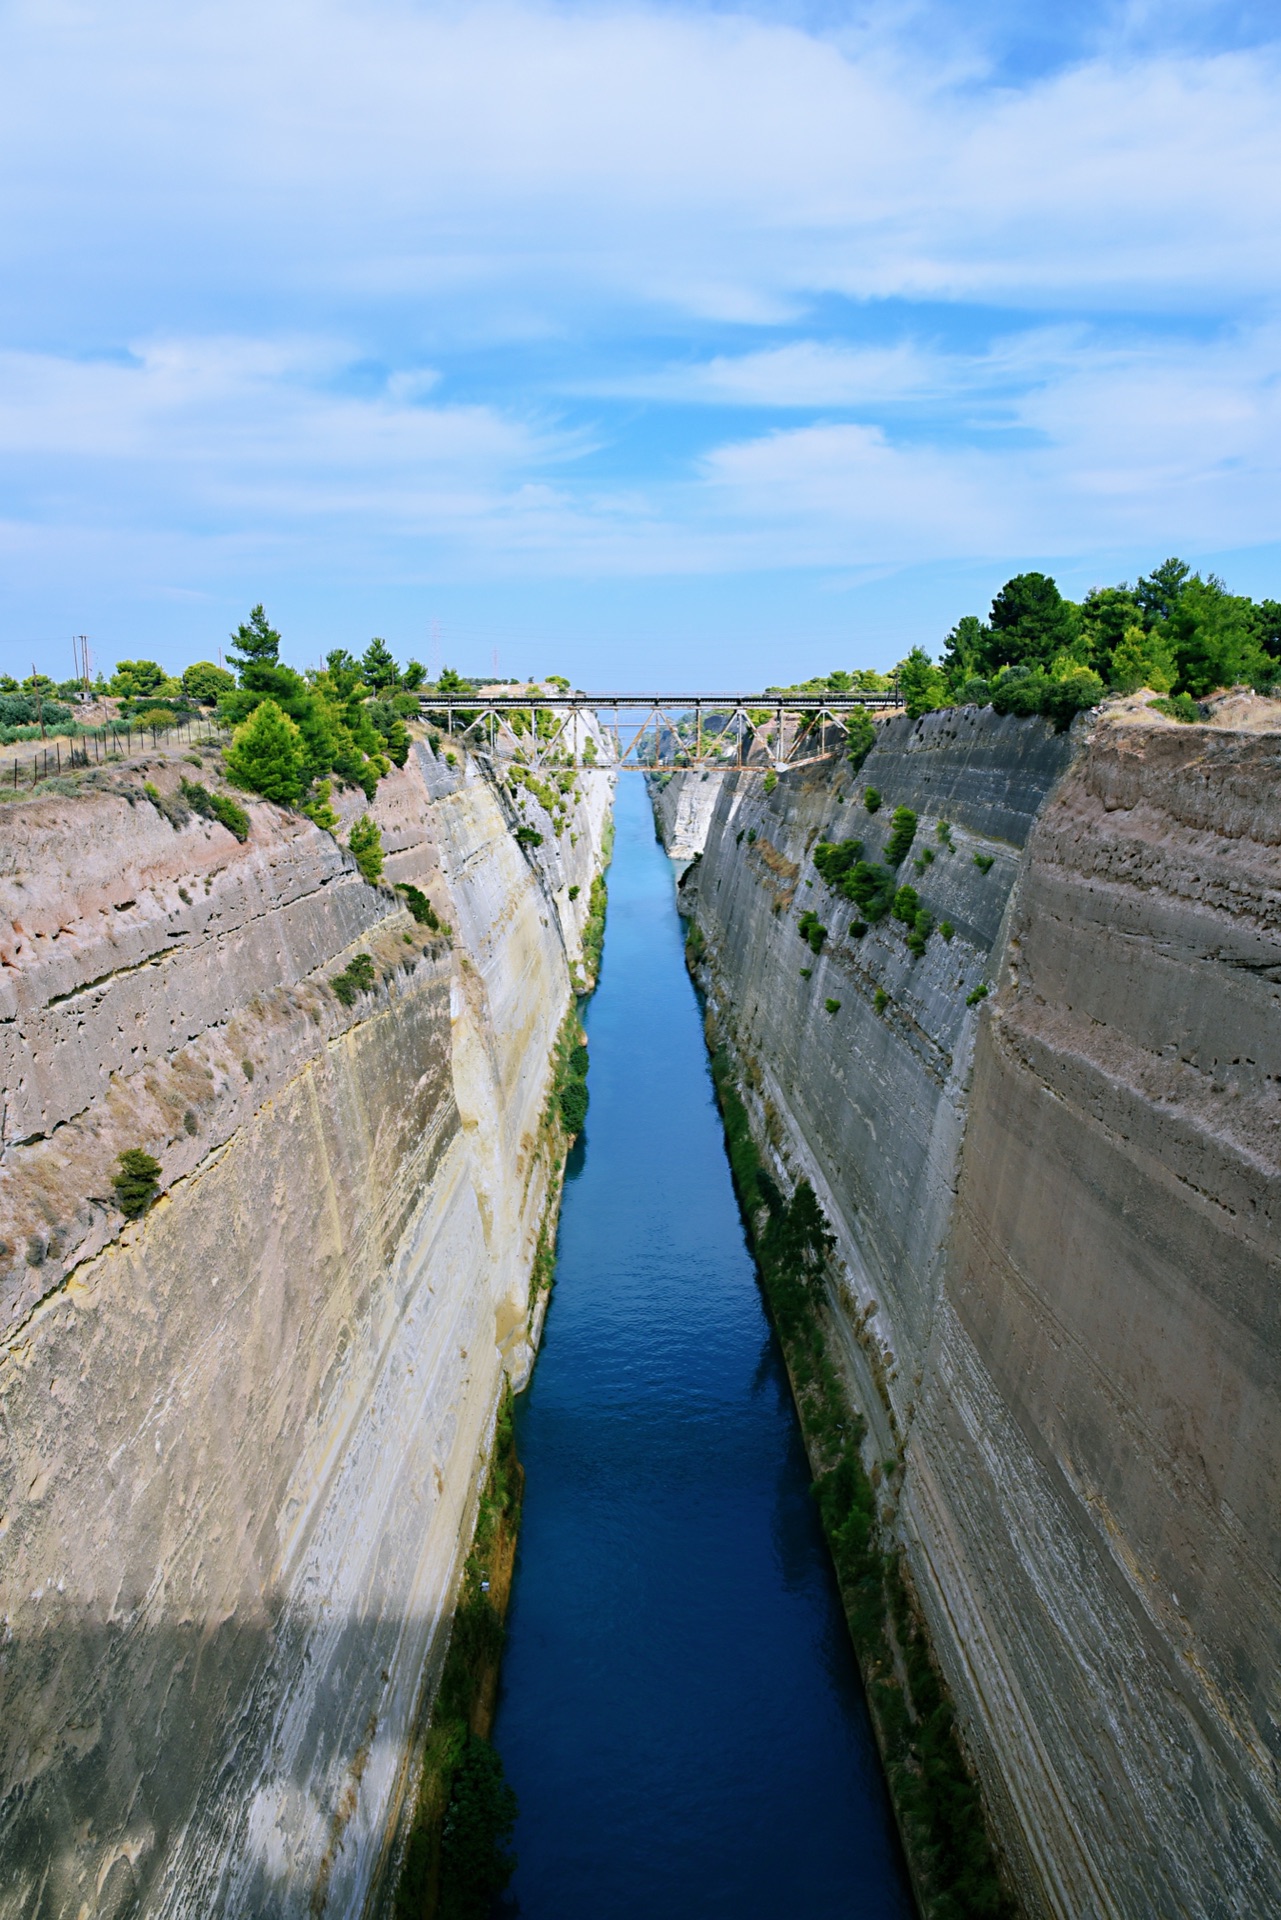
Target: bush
[421, 907]
[571, 1087]
[833, 1006]
[204, 682]
[267, 756]
[902, 834]
[872, 800]
[528, 837]
[983, 861]
[359, 976]
[947, 929]
[366, 843]
[871, 888]
[216, 806]
[770, 781]
[475, 1861]
[573, 1106]
[906, 903]
[136, 1183]
[809, 929]
[979, 993]
[1180, 706]
[23, 709]
[922, 928]
[881, 999]
[834, 858]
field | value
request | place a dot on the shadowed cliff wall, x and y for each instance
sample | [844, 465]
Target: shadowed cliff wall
[1056, 1215]
[240, 1435]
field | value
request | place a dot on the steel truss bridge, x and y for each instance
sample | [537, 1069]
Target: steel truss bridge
[655, 732]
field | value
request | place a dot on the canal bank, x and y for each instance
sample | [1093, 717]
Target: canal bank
[680, 1711]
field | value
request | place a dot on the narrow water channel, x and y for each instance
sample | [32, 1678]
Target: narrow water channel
[681, 1715]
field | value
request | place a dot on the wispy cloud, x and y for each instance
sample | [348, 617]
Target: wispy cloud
[505, 290]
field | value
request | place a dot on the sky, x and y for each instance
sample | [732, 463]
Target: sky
[662, 346]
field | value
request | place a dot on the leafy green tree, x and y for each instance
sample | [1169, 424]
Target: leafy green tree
[366, 843]
[1158, 593]
[268, 755]
[921, 684]
[965, 651]
[1031, 623]
[413, 676]
[1267, 627]
[205, 682]
[1143, 659]
[379, 668]
[136, 1182]
[136, 680]
[450, 682]
[1214, 637]
[255, 641]
[1106, 615]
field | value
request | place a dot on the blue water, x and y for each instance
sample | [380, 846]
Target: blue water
[681, 1715]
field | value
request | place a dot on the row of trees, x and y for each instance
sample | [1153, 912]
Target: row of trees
[1173, 631]
[295, 731]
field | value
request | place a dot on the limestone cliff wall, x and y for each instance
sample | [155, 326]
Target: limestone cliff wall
[241, 1435]
[1056, 1214]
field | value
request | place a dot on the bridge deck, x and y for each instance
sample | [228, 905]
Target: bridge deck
[666, 732]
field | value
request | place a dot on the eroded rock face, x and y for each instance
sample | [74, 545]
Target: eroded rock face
[241, 1434]
[1057, 1219]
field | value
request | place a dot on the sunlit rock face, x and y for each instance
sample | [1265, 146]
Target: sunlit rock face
[1057, 1215]
[242, 1433]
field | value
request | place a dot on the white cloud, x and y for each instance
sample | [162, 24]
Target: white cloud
[710, 163]
[253, 251]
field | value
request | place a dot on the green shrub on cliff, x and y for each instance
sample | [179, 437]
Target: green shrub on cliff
[136, 1182]
[809, 929]
[359, 976]
[216, 806]
[872, 799]
[366, 843]
[834, 859]
[902, 834]
[594, 926]
[421, 907]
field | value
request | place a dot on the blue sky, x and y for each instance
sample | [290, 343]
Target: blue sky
[647, 344]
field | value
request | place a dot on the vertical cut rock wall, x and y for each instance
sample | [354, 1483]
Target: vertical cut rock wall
[1056, 1212]
[241, 1435]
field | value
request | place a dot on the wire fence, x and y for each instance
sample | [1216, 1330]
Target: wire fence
[91, 746]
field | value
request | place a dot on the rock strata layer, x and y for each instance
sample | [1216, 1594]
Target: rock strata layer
[241, 1434]
[1058, 1265]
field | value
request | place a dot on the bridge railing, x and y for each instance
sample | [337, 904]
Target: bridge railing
[655, 732]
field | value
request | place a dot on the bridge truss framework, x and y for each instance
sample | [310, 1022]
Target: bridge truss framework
[768, 731]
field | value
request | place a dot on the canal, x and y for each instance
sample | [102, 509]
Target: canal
[681, 1715]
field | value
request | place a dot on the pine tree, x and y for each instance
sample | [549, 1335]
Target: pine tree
[254, 640]
[366, 843]
[1143, 660]
[379, 666]
[267, 755]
